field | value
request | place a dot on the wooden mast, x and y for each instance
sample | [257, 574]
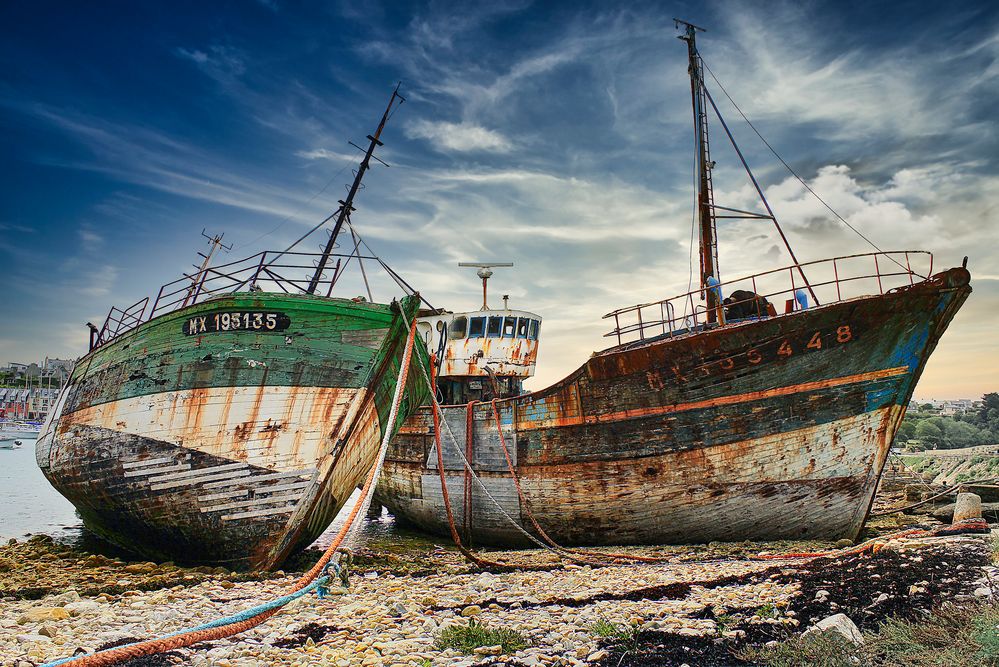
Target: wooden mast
[705, 194]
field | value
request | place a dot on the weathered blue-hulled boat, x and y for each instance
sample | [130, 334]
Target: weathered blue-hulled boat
[229, 419]
[758, 408]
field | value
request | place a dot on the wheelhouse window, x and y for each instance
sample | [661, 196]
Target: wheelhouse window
[522, 326]
[458, 328]
[509, 326]
[535, 325]
[477, 327]
[495, 324]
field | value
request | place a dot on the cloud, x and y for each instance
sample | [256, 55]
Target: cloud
[220, 62]
[463, 137]
[98, 281]
[324, 154]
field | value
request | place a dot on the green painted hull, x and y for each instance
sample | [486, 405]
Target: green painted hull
[231, 431]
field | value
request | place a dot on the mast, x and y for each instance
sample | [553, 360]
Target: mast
[346, 205]
[198, 280]
[705, 193]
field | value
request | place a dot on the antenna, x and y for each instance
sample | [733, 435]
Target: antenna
[485, 273]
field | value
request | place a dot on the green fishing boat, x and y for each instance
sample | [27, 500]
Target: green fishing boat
[230, 420]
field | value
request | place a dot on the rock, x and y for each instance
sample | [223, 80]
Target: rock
[840, 623]
[597, 656]
[42, 614]
[881, 598]
[64, 598]
[33, 639]
[82, 607]
[843, 544]
[983, 592]
[48, 631]
[968, 506]
[488, 650]
[471, 610]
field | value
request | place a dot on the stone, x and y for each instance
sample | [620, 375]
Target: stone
[48, 631]
[42, 614]
[82, 607]
[471, 610]
[33, 639]
[597, 656]
[983, 592]
[968, 506]
[488, 650]
[843, 544]
[840, 623]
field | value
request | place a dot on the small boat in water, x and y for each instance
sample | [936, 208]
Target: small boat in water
[758, 408]
[18, 429]
[229, 422]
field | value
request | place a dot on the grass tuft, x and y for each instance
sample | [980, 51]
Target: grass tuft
[966, 635]
[820, 649]
[467, 638]
[624, 636]
[953, 635]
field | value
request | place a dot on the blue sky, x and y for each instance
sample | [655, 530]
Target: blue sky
[554, 135]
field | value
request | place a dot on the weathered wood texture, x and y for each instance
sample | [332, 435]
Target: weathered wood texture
[766, 429]
[228, 447]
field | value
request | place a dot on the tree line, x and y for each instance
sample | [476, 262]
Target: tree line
[924, 428]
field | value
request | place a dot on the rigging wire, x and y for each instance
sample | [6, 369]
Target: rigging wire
[693, 226]
[793, 172]
[295, 213]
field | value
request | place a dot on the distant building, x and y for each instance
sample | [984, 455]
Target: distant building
[948, 407]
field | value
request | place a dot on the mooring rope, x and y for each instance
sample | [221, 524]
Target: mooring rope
[250, 618]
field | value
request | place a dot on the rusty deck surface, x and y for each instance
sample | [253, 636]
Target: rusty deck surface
[208, 435]
[774, 428]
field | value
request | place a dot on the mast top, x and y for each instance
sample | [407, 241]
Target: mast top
[690, 27]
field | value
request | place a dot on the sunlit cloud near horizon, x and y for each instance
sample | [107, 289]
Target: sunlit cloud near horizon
[553, 135]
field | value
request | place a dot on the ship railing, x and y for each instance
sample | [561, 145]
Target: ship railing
[267, 271]
[783, 291]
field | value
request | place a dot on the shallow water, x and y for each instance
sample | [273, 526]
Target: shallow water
[29, 505]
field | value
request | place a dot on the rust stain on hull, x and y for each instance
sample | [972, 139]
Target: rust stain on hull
[769, 429]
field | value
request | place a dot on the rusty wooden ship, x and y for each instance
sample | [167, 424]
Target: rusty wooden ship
[228, 422]
[759, 408]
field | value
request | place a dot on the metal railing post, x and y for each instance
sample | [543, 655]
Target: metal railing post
[877, 269]
[839, 295]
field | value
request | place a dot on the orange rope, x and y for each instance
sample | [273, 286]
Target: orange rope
[153, 646]
[477, 560]
[466, 517]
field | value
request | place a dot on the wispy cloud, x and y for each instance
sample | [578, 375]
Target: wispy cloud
[463, 137]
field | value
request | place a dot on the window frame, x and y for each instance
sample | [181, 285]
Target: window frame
[527, 327]
[472, 321]
[499, 327]
[452, 330]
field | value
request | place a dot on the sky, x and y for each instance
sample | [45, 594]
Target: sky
[554, 135]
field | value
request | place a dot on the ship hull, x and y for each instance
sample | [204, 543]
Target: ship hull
[231, 445]
[768, 429]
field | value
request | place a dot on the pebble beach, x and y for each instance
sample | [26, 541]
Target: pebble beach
[59, 601]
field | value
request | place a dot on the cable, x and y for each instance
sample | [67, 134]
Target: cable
[296, 212]
[794, 173]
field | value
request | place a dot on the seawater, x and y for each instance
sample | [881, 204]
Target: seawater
[29, 505]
